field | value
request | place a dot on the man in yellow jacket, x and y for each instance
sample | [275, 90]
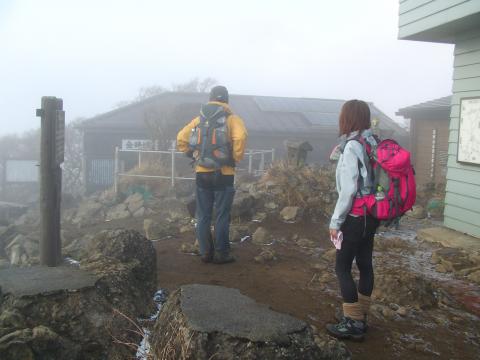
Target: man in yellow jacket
[216, 140]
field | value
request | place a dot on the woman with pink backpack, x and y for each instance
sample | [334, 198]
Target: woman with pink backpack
[375, 181]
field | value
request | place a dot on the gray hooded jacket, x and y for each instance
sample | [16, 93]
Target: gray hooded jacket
[353, 175]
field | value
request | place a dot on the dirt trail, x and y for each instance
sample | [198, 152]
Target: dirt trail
[301, 282]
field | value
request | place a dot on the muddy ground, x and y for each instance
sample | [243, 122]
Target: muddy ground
[425, 307]
[435, 315]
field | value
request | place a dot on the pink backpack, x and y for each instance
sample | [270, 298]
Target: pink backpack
[394, 182]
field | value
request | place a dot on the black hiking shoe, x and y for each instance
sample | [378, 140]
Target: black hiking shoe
[207, 258]
[339, 317]
[348, 329]
[223, 258]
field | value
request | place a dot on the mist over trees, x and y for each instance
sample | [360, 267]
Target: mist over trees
[162, 124]
[26, 146]
[193, 85]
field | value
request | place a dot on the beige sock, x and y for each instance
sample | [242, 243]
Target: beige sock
[365, 302]
[353, 311]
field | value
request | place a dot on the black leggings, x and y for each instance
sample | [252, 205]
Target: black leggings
[358, 234]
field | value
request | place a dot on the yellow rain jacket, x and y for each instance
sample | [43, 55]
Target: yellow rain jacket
[236, 131]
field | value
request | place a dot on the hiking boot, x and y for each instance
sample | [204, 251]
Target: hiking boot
[339, 317]
[348, 329]
[223, 258]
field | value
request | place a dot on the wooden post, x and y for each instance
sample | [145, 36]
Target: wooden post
[51, 156]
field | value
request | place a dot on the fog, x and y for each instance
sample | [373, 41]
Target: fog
[95, 54]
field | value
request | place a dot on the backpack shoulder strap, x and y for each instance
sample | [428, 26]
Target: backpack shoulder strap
[355, 138]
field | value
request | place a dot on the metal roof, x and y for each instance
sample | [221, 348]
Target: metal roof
[442, 103]
[260, 113]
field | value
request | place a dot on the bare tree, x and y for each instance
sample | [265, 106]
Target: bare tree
[25, 146]
[193, 85]
[159, 125]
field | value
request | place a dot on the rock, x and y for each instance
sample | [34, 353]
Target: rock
[243, 205]
[417, 212]
[187, 229]
[107, 197]
[451, 260]
[234, 235]
[134, 202]
[306, 243]
[265, 256]
[474, 258]
[124, 246]
[393, 243]
[326, 277]
[330, 254]
[467, 271]
[10, 211]
[270, 205]
[190, 248]
[261, 236]
[290, 213]
[15, 254]
[12, 318]
[155, 230]
[30, 247]
[259, 217]
[402, 311]
[388, 313]
[214, 321]
[88, 212]
[118, 212]
[442, 269]
[332, 349]
[475, 277]
[406, 289]
[80, 324]
[7, 234]
[320, 267]
[139, 213]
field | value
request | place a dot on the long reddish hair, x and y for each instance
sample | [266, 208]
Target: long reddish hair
[355, 115]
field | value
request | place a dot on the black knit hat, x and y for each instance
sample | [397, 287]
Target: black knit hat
[219, 93]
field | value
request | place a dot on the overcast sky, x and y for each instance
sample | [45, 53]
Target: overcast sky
[96, 53]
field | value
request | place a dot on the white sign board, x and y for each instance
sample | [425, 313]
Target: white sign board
[469, 131]
[22, 171]
[137, 144]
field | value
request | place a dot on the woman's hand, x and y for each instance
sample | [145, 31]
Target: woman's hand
[334, 233]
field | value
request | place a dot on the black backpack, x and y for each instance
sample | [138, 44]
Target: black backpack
[209, 140]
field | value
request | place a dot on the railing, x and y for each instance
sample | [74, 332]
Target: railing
[250, 155]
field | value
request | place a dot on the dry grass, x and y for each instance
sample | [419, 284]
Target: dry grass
[134, 329]
[177, 341]
[298, 183]
[172, 339]
[151, 167]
